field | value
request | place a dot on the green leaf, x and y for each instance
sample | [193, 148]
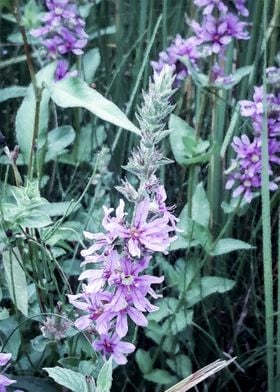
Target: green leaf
[200, 206]
[180, 365]
[69, 379]
[35, 219]
[4, 313]
[59, 208]
[9, 329]
[26, 114]
[39, 343]
[91, 61]
[161, 377]
[193, 233]
[74, 92]
[167, 306]
[182, 138]
[144, 360]
[182, 319]
[155, 332]
[186, 148]
[227, 245]
[58, 139]
[12, 92]
[38, 384]
[16, 280]
[104, 379]
[207, 286]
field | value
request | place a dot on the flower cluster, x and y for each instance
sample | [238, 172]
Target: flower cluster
[179, 48]
[246, 168]
[210, 37]
[117, 288]
[5, 381]
[62, 33]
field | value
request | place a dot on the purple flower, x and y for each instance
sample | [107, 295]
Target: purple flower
[5, 381]
[235, 27]
[142, 234]
[213, 32]
[93, 304]
[112, 346]
[62, 72]
[121, 316]
[255, 107]
[240, 6]
[132, 288]
[247, 166]
[218, 32]
[179, 48]
[70, 43]
[63, 29]
[210, 5]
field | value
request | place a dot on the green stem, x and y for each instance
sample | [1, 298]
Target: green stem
[34, 136]
[266, 223]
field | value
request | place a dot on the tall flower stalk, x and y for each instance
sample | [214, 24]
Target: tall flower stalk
[117, 288]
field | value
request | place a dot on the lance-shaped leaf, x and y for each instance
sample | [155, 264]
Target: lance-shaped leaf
[74, 92]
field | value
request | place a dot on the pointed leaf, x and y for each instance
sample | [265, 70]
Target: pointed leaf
[74, 92]
[227, 245]
[16, 280]
[26, 114]
[76, 382]
[104, 379]
[12, 92]
[208, 285]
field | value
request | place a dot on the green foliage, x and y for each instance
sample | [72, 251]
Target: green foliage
[186, 147]
[16, 279]
[25, 119]
[12, 92]
[104, 379]
[74, 92]
[76, 382]
[24, 208]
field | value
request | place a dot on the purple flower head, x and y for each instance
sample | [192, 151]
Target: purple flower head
[70, 43]
[132, 288]
[146, 234]
[216, 33]
[5, 381]
[247, 165]
[63, 29]
[93, 305]
[62, 72]
[179, 48]
[210, 5]
[240, 6]
[235, 27]
[112, 346]
[212, 32]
